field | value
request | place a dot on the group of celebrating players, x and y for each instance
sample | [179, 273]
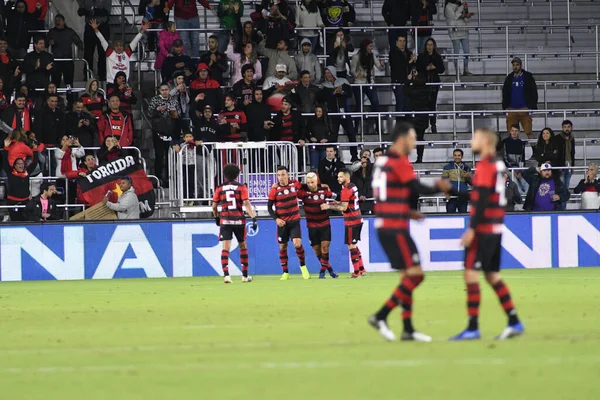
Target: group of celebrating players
[396, 187]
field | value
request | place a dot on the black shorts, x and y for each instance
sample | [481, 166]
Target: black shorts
[227, 232]
[352, 234]
[484, 253]
[318, 235]
[291, 230]
[400, 248]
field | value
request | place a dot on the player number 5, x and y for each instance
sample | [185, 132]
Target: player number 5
[230, 197]
[379, 184]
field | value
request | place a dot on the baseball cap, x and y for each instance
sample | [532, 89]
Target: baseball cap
[177, 43]
[545, 166]
[516, 60]
[281, 67]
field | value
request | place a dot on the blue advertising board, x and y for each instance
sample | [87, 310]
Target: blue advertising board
[191, 248]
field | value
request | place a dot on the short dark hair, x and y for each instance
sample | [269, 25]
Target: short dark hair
[401, 129]
[38, 38]
[304, 72]
[46, 185]
[460, 151]
[567, 122]
[344, 171]
[516, 126]
[20, 95]
[331, 146]
[214, 37]
[114, 94]
[377, 150]
[282, 168]
[52, 95]
[231, 172]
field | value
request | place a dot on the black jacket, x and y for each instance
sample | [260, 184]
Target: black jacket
[529, 89]
[398, 12]
[276, 30]
[424, 60]
[205, 130]
[335, 102]
[18, 184]
[363, 183]
[512, 195]
[87, 134]
[535, 180]
[333, 54]
[561, 146]
[63, 41]
[37, 77]
[582, 186]
[400, 66]
[33, 210]
[218, 68]
[49, 126]
[8, 116]
[320, 128]
[18, 26]
[306, 97]
[513, 151]
[418, 100]
[257, 114]
[276, 131]
[7, 73]
[242, 91]
[328, 171]
[548, 151]
[169, 67]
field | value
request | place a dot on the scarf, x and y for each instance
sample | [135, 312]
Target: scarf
[22, 121]
[568, 147]
[66, 164]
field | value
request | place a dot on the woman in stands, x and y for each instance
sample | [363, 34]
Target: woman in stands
[547, 149]
[110, 150]
[18, 183]
[430, 65]
[249, 55]
[93, 99]
[338, 53]
[363, 179]
[165, 41]
[457, 16]
[363, 69]
[309, 16]
[319, 131]
[181, 93]
[428, 10]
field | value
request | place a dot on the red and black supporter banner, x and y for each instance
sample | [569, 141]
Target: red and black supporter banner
[104, 178]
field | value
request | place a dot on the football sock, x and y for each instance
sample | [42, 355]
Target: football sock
[402, 296]
[225, 262]
[325, 262]
[244, 261]
[361, 267]
[301, 255]
[355, 258]
[507, 304]
[283, 259]
[473, 300]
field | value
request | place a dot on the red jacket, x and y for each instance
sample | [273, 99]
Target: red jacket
[31, 8]
[186, 9]
[21, 150]
[105, 130]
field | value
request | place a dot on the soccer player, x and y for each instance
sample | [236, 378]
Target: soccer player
[231, 195]
[352, 220]
[283, 207]
[313, 195]
[482, 239]
[395, 184]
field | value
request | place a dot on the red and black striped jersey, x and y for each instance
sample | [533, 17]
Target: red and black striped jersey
[392, 179]
[235, 133]
[315, 217]
[352, 215]
[231, 196]
[488, 196]
[285, 199]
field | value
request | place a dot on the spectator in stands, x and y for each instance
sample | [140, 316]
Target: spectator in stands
[215, 59]
[459, 174]
[118, 57]
[67, 157]
[338, 13]
[259, 118]
[513, 149]
[186, 17]
[249, 56]
[121, 88]
[419, 95]
[427, 9]
[42, 100]
[128, 205]
[17, 146]
[154, 12]
[546, 190]
[513, 196]
[397, 13]
[229, 12]
[181, 93]
[18, 193]
[97, 11]
[42, 207]
[166, 40]
[363, 69]
[277, 57]
[17, 116]
[336, 94]
[286, 124]
[519, 92]
[232, 121]
[34, 184]
[206, 128]
[61, 39]
[402, 62]
[377, 152]
[9, 69]
[275, 88]
[115, 122]
[430, 64]
[164, 111]
[49, 123]
[457, 16]
[39, 23]
[249, 35]
[566, 151]
[339, 53]
[93, 100]
[28, 102]
[305, 96]
[319, 132]
[3, 100]
[363, 178]
[547, 148]
[81, 125]
[110, 150]
[277, 28]
[243, 90]
[589, 187]
[190, 150]
[177, 61]
[307, 61]
[205, 90]
[37, 66]
[19, 23]
[329, 168]
[308, 16]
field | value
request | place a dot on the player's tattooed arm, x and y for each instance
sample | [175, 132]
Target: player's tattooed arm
[335, 205]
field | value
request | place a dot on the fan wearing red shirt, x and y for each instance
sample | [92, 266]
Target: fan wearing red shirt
[319, 227]
[231, 196]
[352, 220]
[283, 208]
[483, 239]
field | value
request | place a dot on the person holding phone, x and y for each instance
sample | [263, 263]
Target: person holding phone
[81, 124]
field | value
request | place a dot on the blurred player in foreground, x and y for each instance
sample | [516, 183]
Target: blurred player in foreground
[394, 185]
[313, 195]
[283, 207]
[231, 195]
[352, 220]
[482, 239]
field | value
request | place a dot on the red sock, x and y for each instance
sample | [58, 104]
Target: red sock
[301, 255]
[283, 259]
[225, 262]
[360, 262]
[355, 258]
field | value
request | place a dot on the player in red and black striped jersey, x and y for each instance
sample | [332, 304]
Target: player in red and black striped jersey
[319, 228]
[395, 185]
[348, 205]
[231, 196]
[283, 207]
[483, 239]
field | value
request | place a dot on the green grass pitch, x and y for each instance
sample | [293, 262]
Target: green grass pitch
[200, 339]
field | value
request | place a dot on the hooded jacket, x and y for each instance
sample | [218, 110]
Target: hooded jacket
[211, 89]
[454, 13]
[278, 57]
[205, 130]
[95, 104]
[309, 62]
[128, 205]
[336, 102]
